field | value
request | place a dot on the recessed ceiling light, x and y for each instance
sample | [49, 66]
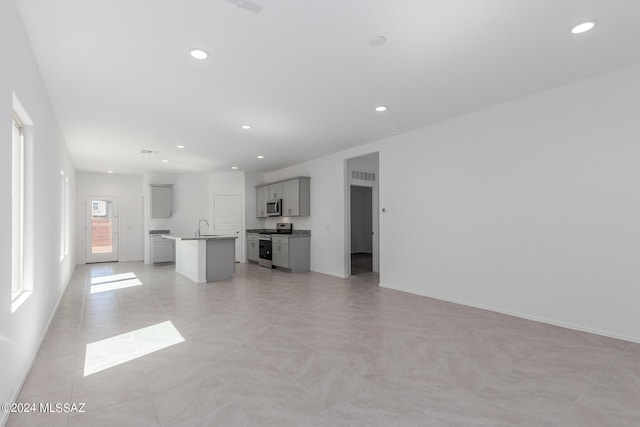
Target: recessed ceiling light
[246, 127]
[180, 146]
[234, 167]
[381, 108]
[377, 41]
[261, 157]
[583, 27]
[199, 54]
[165, 161]
[109, 171]
[395, 128]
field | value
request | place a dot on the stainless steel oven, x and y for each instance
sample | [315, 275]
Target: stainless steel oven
[264, 254]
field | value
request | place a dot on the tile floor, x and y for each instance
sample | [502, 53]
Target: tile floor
[361, 263]
[277, 349]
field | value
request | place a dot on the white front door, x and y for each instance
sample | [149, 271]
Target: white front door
[101, 229]
[227, 219]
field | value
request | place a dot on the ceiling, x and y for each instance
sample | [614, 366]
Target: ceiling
[301, 73]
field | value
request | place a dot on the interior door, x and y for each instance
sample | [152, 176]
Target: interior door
[362, 230]
[101, 229]
[227, 219]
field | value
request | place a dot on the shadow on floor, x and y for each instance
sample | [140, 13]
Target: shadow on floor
[361, 263]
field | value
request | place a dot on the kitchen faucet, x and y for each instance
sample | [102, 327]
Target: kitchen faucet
[199, 224]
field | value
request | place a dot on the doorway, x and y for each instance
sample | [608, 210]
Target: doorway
[361, 230]
[362, 220]
[101, 229]
[227, 219]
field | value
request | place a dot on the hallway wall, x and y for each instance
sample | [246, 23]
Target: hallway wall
[47, 272]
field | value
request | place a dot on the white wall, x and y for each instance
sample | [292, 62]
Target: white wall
[190, 203]
[250, 182]
[21, 332]
[128, 189]
[530, 208]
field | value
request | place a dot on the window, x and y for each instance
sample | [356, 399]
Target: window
[21, 206]
[64, 215]
[99, 209]
[17, 214]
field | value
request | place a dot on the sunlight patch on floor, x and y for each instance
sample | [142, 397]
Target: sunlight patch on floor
[114, 351]
[113, 282]
[112, 278]
[104, 287]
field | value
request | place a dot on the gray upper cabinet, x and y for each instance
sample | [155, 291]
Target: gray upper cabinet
[262, 195]
[291, 198]
[275, 191]
[161, 201]
[295, 195]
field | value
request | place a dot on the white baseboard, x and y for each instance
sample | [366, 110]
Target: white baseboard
[341, 276]
[520, 315]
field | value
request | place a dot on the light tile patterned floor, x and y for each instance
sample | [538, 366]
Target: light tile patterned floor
[277, 349]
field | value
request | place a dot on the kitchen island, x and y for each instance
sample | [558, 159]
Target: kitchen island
[205, 259]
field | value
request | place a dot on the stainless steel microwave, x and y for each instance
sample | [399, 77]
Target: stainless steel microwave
[274, 207]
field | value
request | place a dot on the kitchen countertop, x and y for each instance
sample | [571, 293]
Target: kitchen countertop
[296, 233]
[159, 231]
[203, 237]
[291, 236]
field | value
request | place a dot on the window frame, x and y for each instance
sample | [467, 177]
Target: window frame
[17, 208]
[64, 215]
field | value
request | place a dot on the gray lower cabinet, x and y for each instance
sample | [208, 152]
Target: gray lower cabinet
[292, 253]
[162, 250]
[280, 254]
[253, 247]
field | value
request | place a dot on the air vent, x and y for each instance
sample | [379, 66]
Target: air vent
[143, 151]
[252, 5]
[363, 176]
